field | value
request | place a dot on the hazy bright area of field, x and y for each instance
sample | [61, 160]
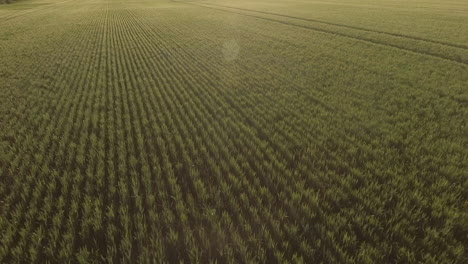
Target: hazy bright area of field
[261, 131]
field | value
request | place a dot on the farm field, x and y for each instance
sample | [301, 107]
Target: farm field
[234, 131]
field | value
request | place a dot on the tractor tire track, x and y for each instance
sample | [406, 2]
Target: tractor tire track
[34, 10]
[447, 57]
[455, 45]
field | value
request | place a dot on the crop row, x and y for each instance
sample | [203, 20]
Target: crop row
[140, 141]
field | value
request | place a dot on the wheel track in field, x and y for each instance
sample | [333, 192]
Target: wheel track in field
[206, 55]
[455, 45]
[131, 65]
[454, 58]
[46, 7]
[346, 61]
[435, 92]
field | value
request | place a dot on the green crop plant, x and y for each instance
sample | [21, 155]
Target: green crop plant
[225, 131]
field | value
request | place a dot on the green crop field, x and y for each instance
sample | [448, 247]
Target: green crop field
[234, 131]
